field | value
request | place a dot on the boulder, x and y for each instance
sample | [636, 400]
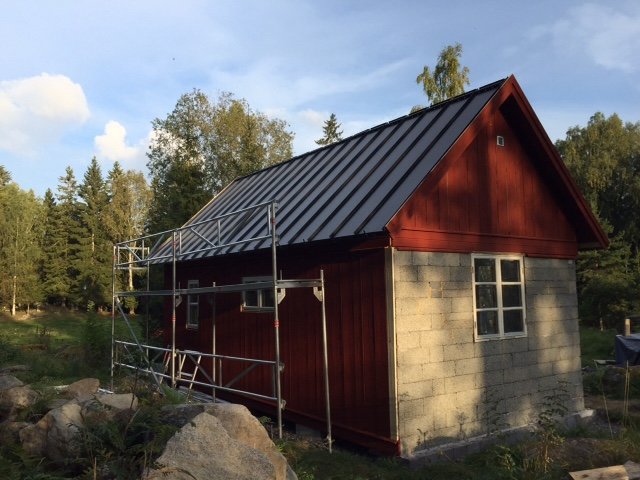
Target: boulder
[11, 429]
[9, 381]
[118, 401]
[82, 388]
[242, 426]
[15, 399]
[203, 450]
[54, 435]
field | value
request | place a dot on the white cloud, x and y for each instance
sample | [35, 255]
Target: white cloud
[112, 146]
[609, 35]
[37, 110]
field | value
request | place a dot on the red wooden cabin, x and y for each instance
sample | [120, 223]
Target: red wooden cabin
[447, 239]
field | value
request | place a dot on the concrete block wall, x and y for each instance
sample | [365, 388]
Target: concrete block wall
[451, 387]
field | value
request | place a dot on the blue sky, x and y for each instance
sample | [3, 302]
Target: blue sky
[85, 78]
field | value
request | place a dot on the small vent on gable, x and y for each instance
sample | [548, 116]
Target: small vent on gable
[500, 140]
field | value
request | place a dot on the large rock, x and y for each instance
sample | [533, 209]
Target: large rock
[247, 429]
[16, 399]
[55, 434]
[82, 388]
[118, 401]
[10, 429]
[203, 450]
[9, 381]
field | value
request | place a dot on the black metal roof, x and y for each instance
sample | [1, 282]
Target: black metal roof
[352, 187]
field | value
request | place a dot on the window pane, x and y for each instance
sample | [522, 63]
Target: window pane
[513, 321]
[267, 297]
[511, 296]
[510, 270]
[486, 296]
[193, 314]
[485, 269]
[251, 298]
[488, 323]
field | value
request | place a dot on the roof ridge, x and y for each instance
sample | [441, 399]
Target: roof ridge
[422, 111]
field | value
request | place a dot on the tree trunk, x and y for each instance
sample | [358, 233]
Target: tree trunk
[13, 299]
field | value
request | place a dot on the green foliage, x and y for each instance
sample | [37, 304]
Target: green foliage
[96, 341]
[447, 79]
[331, 131]
[202, 146]
[94, 255]
[125, 445]
[608, 283]
[596, 345]
[604, 159]
[20, 232]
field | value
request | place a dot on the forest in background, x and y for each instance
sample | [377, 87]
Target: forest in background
[57, 250]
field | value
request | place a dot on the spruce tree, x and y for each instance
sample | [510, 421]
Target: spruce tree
[94, 248]
[331, 131]
[53, 265]
[69, 237]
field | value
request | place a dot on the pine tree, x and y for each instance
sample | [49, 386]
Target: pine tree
[331, 131]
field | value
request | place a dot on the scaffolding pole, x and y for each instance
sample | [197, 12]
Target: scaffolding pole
[276, 320]
[325, 365]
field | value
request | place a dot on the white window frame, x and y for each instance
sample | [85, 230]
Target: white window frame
[500, 308]
[193, 301]
[260, 295]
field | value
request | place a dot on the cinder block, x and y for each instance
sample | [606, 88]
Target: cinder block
[413, 356]
[409, 374]
[407, 340]
[459, 383]
[428, 273]
[413, 408]
[462, 304]
[409, 289]
[470, 365]
[436, 354]
[406, 273]
[459, 351]
[489, 378]
[420, 258]
[460, 274]
[444, 259]
[460, 336]
[402, 257]
[422, 389]
[411, 323]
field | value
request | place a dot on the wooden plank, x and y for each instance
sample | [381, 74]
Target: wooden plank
[617, 472]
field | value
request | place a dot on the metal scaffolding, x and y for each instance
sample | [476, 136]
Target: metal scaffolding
[197, 240]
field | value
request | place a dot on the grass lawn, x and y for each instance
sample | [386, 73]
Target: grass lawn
[60, 346]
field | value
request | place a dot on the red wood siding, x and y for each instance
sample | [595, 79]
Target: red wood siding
[357, 334]
[485, 197]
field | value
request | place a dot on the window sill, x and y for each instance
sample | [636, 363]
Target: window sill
[488, 338]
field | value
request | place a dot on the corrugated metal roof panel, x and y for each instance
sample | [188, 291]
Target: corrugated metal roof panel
[349, 188]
